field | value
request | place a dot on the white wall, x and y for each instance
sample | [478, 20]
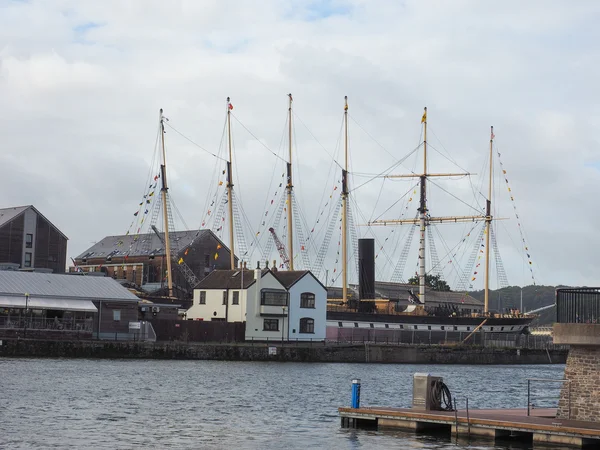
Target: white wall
[254, 321]
[319, 313]
[214, 304]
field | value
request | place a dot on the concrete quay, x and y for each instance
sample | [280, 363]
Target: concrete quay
[261, 351]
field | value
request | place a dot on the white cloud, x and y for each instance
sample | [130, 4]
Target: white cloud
[82, 82]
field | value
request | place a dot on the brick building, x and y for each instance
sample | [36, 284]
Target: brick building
[31, 241]
[140, 261]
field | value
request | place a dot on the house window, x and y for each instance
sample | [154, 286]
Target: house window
[116, 315]
[29, 241]
[273, 298]
[225, 297]
[307, 325]
[236, 298]
[28, 259]
[271, 325]
[202, 298]
[206, 260]
[307, 300]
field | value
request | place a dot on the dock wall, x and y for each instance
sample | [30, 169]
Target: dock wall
[315, 352]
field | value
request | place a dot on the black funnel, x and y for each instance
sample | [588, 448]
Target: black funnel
[366, 269]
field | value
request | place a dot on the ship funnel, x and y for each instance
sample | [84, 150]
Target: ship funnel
[366, 269]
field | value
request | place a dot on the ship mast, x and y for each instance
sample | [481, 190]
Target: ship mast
[289, 192]
[424, 219]
[488, 222]
[230, 186]
[164, 190]
[345, 206]
[423, 212]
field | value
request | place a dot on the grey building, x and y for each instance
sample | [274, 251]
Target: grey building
[31, 241]
[64, 306]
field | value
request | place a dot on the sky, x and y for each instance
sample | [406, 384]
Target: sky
[81, 83]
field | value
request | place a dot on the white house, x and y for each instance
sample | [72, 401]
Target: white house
[307, 305]
[286, 305]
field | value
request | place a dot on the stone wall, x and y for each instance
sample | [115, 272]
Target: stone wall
[583, 371]
[316, 352]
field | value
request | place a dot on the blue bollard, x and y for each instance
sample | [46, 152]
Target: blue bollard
[356, 393]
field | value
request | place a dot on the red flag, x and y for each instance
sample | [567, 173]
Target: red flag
[230, 106]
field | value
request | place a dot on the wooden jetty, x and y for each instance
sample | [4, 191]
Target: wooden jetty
[540, 427]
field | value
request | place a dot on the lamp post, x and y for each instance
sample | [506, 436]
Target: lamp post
[26, 312]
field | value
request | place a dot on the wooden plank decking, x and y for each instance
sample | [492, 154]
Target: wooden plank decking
[541, 426]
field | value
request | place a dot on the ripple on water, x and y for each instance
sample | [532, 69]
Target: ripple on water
[97, 404]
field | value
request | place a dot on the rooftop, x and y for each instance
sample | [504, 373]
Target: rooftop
[8, 214]
[229, 279]
[141, 244]
[64, 286]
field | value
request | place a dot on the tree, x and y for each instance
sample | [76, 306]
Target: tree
[434, 282]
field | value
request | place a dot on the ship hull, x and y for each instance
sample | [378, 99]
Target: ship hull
[407, 322]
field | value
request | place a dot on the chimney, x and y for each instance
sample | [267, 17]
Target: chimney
[258, 265]
[366, 269]
[245, 267]
[267, 264]
[274, 268]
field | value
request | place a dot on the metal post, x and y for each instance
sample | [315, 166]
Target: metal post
[528, 395]
[26, 312]
[356, 393]
[468, 421]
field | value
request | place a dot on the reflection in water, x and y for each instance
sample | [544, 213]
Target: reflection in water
[66, 403]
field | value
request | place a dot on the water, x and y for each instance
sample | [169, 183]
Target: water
[97, 404]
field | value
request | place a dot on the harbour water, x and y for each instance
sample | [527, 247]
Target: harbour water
[126, 404]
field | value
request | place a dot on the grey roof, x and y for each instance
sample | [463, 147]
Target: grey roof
[141, 244]
[229, 279]
[8, 214]
[64, 286]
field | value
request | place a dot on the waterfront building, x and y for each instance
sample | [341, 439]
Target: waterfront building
[275, 305]
[49, 305]
[139, 261]
[29, 241]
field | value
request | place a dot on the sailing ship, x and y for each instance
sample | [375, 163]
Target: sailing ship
[369, 317]
[387, 316]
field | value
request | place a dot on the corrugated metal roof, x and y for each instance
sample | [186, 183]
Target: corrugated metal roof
[8, 214]
[133, 245]
[64, 286]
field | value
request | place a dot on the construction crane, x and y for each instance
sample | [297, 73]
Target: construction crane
[281, 249]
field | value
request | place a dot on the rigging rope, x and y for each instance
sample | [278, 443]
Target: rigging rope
[514, 205]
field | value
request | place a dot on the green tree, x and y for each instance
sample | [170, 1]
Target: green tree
[435, 282]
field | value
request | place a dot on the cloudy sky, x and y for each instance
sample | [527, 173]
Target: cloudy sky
[81, 83]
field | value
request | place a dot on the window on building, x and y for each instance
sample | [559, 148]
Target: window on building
[225, 297]
[273, 298]
[206, 260]
[29, 241]
[28, 259]
[307, 300]
[271, 325]
[202, 298]
[307, 325]
[236, 298]
[116, 315]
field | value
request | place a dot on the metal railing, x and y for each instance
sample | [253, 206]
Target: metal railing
[43, 323]
[531, 406]
[578, 305]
